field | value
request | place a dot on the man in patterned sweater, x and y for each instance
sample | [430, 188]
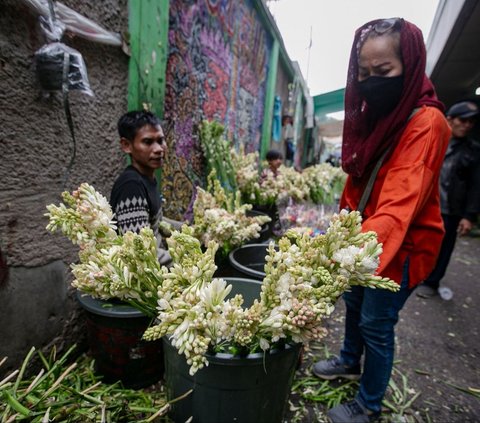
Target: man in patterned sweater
[135, 198]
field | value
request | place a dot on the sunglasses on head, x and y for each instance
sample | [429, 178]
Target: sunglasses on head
[385, 25]
[380, 27]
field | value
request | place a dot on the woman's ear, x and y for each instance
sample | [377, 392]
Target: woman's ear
[126, 145]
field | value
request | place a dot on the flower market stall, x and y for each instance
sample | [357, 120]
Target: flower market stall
[192, 309]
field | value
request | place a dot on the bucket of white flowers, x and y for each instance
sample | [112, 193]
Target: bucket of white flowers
[237, 385]
[221, 336]
[116, 315]
[220, 216]
[114, 333]
[203, 317]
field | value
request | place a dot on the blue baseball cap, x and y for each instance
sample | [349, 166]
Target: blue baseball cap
[463, 109]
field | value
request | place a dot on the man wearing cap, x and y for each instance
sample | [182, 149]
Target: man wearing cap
[459, 191]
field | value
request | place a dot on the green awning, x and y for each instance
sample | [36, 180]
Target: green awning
[329, 102]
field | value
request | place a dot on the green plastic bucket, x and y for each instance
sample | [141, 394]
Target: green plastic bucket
[114, 331]
[241, 389]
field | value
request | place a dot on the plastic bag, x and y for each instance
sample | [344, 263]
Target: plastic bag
[53, 30]
[314, 217]
[74, 22]
[50, 62]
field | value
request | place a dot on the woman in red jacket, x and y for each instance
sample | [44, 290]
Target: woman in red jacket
[393, 121]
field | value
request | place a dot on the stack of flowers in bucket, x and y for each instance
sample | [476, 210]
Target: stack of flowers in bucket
[213, 336]
[220, 216]
[319, 184]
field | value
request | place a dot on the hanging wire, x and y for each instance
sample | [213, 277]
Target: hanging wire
[68, 114]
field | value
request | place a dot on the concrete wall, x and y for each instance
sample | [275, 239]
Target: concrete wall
[217, 69]
[35, 148]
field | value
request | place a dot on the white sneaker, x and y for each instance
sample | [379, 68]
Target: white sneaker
[445, 293]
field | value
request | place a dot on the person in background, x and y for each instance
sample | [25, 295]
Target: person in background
[288, 137]
[275, 160]
[459, 192]
[135, 199]
[393, 121]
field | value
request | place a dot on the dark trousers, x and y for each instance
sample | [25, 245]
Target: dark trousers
[369, 328]
[448, 244]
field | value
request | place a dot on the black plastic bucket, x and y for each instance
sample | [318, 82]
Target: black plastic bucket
[249, 260]
[115, 332]
[246, 389]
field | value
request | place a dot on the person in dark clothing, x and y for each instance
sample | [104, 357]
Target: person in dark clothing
[135, 199]
[459, 192]
[288, 136]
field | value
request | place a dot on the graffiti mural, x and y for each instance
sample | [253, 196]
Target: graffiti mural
[217, 69]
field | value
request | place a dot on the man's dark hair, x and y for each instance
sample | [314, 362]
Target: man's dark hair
[273, 155]
[131, 122]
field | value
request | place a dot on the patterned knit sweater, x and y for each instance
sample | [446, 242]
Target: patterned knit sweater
[136, 203]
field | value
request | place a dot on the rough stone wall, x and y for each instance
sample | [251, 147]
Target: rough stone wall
[217, 69]
[35, 149]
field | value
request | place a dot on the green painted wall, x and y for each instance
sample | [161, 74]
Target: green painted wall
[148, 28]
[269, 99]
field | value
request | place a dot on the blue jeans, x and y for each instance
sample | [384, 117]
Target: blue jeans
[369, 327]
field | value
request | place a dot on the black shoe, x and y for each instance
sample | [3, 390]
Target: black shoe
[351, 412]
[426, 291]
[333, 368]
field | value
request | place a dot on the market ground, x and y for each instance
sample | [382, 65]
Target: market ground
[437, 352]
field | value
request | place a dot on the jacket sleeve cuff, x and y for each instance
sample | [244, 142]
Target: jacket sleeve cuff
[472, 217]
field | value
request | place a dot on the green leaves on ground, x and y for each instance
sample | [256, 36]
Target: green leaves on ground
[329, 393]
[66, 390]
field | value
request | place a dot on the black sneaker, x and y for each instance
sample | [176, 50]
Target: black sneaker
[426, 291]
[332, 368]
[351, 412]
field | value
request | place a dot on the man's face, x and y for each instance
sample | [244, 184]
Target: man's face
[461, 126]
[147, 149]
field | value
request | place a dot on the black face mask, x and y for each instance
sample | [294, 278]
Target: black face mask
[381, 93]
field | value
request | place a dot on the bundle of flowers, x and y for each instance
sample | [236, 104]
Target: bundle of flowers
[269, 188]
[286, 184]
[325, 183]
[320, 184]
[295, 183]
[220, 216]
[247, 174]
[304, 278]
[85, 218]
[111, 266]
[216, 150]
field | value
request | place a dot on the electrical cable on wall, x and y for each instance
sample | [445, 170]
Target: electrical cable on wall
[61, 68]
[68, 115]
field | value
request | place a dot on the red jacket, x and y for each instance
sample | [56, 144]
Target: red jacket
[404, 206]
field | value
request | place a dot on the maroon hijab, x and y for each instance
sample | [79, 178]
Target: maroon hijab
[365, 137]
